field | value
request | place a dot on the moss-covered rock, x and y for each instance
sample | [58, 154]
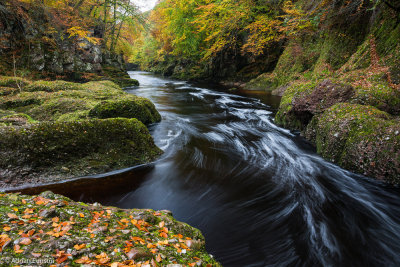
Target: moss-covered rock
[83, 147]
[53, 109]
[17, 119]
[285, 115]
[15, 82]
[265, 81]
[53, 126]
[59, 100]
[378, 94]
[119, 77]
[8, 91]
[359, 138]
[64, 232]
[139, 108]
[52, 86]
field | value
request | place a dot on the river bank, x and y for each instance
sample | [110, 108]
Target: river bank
[57, 130]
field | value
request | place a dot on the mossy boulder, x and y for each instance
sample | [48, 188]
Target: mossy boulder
[359, 138]
[380, 95]
[81, 147]
[285, 115]
[55, 130]
[59, 100]
[138, 107]
[119, 77]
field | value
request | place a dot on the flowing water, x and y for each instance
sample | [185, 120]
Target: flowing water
[259, 194]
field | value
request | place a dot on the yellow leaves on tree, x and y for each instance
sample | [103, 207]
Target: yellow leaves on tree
[81, 33]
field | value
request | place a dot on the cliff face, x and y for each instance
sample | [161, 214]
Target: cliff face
[31, 40]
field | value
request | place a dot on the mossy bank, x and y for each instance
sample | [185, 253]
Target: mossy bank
[340, 87]
[53, 130]
[57, 231]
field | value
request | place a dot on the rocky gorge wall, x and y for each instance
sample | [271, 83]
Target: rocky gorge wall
[341, 88]
[26, 43]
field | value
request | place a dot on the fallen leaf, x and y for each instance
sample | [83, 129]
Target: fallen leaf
[84, 260]
[79, 247]
[25, 241]
[12, 216]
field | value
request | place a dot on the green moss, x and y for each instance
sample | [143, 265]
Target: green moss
[101, 144]
[52, 109]
[52, 86]
[265, 81]
[8, 91]
[15, 82]
[74, 116]
[360, 138]
[119, 77]
[138, 107]
[379, 95]
[296, 90]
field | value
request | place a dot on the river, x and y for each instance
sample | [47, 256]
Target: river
[259, 193]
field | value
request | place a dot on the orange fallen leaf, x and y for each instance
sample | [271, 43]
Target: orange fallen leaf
[25, 241]
[81, 215]
[6, 228]
[79, 247]
[17, 249]
[161, 224]
[164, 235]
[158, 258]
[36, 255]
[84, 260]
[12, 216]
[61, 259]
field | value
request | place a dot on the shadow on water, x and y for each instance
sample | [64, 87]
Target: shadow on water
[259, 193]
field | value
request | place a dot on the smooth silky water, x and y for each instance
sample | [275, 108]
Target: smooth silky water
[260, 194]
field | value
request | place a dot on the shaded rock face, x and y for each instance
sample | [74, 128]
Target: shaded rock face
[57, 53]
[325, 95]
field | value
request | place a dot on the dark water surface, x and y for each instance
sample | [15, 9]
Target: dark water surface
[258, 193]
